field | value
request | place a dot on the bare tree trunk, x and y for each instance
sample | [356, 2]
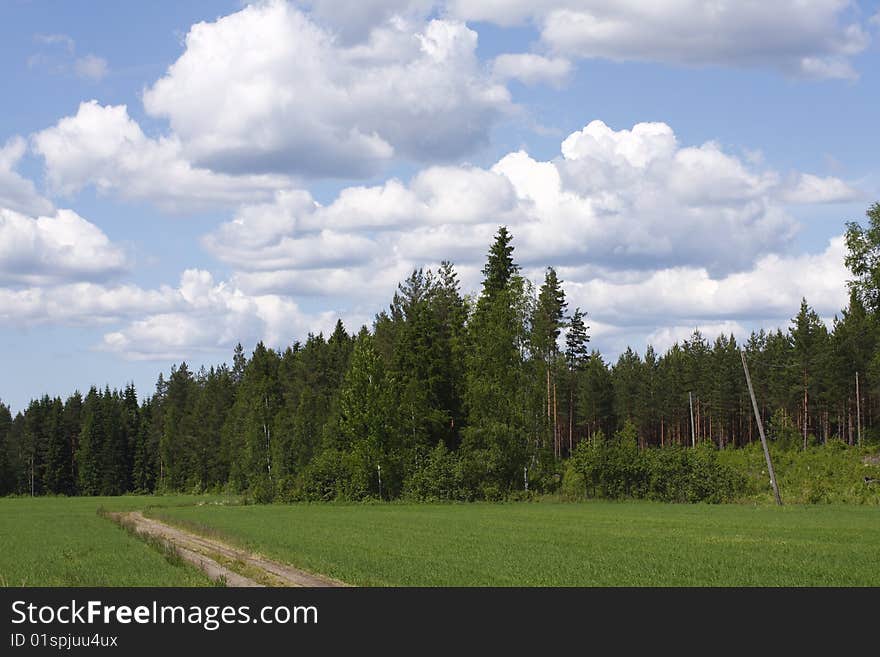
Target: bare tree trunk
[849, 422]
[548, 401]
[858, 412]
[556, 423]
[805, 408]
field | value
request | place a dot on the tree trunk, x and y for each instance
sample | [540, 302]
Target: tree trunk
[805, 409]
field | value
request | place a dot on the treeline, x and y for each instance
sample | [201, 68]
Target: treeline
[452, 397]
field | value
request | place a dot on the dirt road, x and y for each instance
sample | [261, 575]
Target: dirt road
[219, 560]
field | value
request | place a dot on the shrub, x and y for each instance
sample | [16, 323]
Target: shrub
[617, 469]
[437, 477]
[334, 475]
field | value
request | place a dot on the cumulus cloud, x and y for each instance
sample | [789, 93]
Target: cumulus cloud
[813, 38]
[208, 316]
[353, 20]
[287, 96]
[52, 249]
[102, 146]
[532, 69]
[667, 305]
[199, 315]
[79, 304]
[650, 235]
[769, 289]
[807, 188]
[18, 193]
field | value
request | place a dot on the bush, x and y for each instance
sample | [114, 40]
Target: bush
[830, 473]
[574, 485]
[617, 469]
[334, 475]
[438, 477]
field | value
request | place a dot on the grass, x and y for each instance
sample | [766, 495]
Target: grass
[63, 542]
[823, 474]
[557, 544]
[57, 541]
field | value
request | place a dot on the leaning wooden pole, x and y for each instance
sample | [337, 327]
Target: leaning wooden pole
[858, 412]
[693, 430]
[761, 431]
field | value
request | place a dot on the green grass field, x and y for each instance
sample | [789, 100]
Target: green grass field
[63, 542]
[548, 544]
[57, 541]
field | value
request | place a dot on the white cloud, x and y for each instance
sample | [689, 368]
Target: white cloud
[662, 307]
[663, 338]
[286, 96]
[532, 69]
[198, 316]
[210, 316]
[807, 188]
[772, 288]
[91, 68]
[18, 193]
[813, 38]
[102, 146]
[650, 236]
[79, 304]
[630, 206]
[353, 20]
[51, 249]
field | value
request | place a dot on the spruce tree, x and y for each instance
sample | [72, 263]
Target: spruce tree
[7, 478]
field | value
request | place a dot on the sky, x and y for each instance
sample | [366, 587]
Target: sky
[176, 177]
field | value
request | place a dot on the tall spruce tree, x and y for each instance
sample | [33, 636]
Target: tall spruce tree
[7, 478]
[496, 394]
[576, 357]
[546, 325]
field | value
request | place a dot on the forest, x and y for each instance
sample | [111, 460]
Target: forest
[455, 397]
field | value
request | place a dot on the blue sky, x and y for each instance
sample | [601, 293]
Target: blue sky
[176, 177]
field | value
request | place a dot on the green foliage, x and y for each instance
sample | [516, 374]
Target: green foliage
[336, 475]
[618, 469]
[834, 473]
[438, 477]
[863, 258]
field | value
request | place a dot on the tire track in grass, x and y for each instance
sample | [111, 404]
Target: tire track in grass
[219, 560]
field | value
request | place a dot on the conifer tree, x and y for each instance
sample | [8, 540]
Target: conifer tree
[7, 478]
[576, 357]
[496, 396]
[546, 324]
